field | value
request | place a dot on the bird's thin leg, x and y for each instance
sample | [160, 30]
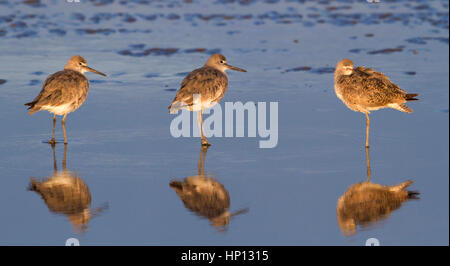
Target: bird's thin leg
[204, 140]
[368, 165]
[63, 122]
[367, 130]
[52, 141]
[199, 123]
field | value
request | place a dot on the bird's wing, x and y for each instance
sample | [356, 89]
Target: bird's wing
[371, 73]
[62, 87]
[372, 88]
[208, 82]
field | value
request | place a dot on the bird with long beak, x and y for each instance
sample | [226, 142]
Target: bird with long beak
[203, 88]
[363, 90]
[63, 92]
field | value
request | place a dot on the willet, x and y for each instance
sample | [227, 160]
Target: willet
[363, 90]
[203, 88]
[63, 92]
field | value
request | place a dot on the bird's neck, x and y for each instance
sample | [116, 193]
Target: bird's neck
[74, 69]
[341, 73]
[221, 69]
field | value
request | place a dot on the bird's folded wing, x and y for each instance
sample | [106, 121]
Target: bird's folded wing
[207, 82]
[372, 74]
[376, 89]
[61, 88]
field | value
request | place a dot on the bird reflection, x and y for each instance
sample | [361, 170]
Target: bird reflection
[67, 194]
[205, 196]
[366, 203]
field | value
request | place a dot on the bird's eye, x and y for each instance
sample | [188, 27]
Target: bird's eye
[221, 61]
[80, 64]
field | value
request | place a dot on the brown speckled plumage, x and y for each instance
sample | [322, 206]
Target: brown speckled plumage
[58, 89]
[209, 82]
[364, 90]
[63, 92]
[203, 88]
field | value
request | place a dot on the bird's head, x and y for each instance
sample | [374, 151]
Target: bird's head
[78, 63]
[344, 67]
[219, 62]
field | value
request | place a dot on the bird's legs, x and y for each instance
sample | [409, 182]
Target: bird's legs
[200, 126]
[63, 122]
[367, 130]
[52, 141]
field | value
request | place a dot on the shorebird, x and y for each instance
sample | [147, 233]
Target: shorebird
[363, 90]
[63, 92]
[205, 196]
[203, 88]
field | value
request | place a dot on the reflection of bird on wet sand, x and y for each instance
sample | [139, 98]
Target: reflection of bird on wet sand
[366, 203]
[205, 196]
[67, 194]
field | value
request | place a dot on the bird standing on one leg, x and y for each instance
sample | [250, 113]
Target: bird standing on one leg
[363, 90]
[209, 83]
[63, 92]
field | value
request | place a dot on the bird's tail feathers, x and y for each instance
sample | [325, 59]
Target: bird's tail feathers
[410, 97]
[176, 106]
[31, 108]
[32, 111]
[401, 107]
[30, 104]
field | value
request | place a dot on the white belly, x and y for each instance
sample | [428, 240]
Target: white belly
[60, 109]
[204, 105]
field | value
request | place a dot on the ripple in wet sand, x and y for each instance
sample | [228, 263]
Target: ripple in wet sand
[296, 69]
[387, 50]
[34, 82]
[139, 50]
[320, 70]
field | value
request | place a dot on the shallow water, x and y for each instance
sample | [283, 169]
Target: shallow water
[121, 147]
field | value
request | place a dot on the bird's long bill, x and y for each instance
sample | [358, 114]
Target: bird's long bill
[235, 68]
[94, 71]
